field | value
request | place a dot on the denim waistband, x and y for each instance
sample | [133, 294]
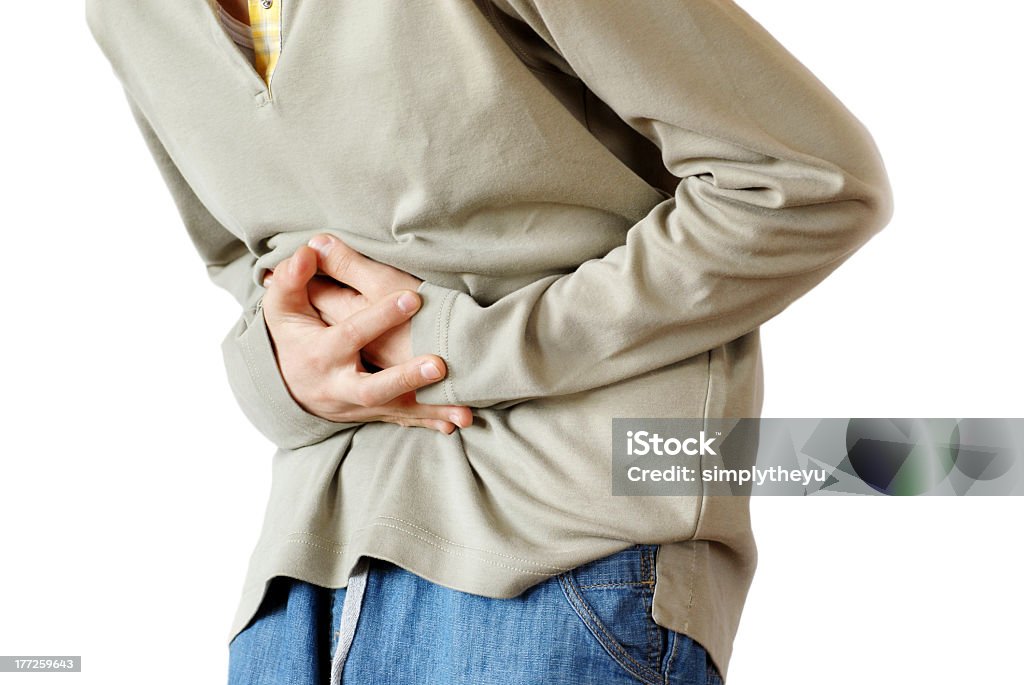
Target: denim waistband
[632, 566]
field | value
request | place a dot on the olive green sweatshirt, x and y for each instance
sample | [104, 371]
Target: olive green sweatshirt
[605, 200]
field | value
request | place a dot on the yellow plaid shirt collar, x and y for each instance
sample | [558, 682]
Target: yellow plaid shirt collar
[262, 35]
[265, 22]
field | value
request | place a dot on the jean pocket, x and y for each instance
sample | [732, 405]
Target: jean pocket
[612, 597]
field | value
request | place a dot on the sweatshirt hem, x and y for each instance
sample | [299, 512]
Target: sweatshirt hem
[301, 555]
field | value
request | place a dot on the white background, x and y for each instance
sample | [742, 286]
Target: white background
[134, 556]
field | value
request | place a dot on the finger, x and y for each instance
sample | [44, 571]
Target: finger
[406, 405]
[357, 330]
[445, 427]
[460, 416]
[376, 389]
[347, 265]
[287, 296]
[334, 301]
[406, 413]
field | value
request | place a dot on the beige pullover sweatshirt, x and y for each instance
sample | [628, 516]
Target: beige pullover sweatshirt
[605, 200]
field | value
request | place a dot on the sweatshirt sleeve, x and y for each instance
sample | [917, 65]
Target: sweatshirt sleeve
[778, 185]
[247, 349]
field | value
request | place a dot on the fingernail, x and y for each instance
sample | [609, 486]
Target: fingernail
[430, 371]
[406, 302]
[321, 243]
[267, 281]
[455, 418]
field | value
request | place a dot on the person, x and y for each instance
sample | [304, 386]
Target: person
[466, 236]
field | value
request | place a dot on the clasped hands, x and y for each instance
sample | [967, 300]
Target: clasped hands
[325, 333]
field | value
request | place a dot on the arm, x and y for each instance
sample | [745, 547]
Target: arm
[779, 184]
[247, 349]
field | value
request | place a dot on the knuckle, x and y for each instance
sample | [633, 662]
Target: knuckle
[349, 332]
[411, 378]
[342, 258]
[322, 393]
[314, 360]
[363, 395]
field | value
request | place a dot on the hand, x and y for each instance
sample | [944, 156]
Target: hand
[321, 365]
[335, 302]
[370, 281]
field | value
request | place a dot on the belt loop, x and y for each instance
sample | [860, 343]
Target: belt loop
[648, 560]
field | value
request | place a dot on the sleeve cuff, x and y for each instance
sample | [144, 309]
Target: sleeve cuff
[430, 336]
[260, 390]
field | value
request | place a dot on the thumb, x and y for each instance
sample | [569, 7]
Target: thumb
[287, 296]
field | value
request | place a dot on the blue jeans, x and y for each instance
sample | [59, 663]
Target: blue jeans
[588, 626]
